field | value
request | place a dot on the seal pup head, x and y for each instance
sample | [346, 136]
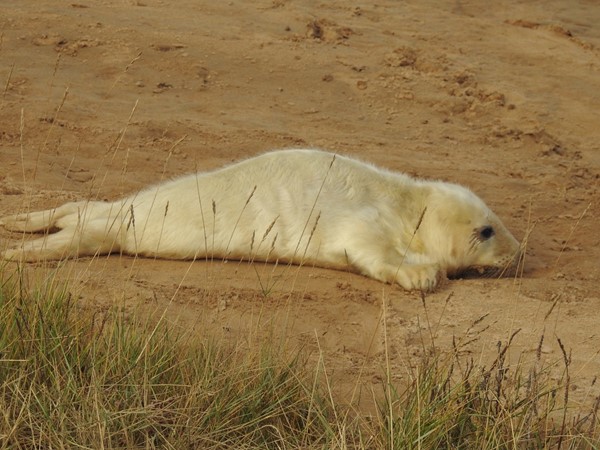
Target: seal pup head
[466, 234]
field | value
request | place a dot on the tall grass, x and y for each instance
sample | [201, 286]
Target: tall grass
[72, 378]
[450, 403]
[483, 409]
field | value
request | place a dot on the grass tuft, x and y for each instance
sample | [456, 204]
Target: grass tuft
[452, 404]
[69, 378]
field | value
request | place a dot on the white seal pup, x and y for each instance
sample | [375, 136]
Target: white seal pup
[295, 206]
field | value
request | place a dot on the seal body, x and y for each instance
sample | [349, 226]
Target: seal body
[295, 206]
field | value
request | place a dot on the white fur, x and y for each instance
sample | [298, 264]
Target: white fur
[299, 206]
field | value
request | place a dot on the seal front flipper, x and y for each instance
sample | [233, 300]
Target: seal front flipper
[422, 277]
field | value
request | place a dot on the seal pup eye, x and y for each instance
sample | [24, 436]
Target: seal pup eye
[485, 232]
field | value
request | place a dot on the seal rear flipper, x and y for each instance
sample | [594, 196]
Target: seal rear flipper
[92, 239]
[29, 222]
[40, 220]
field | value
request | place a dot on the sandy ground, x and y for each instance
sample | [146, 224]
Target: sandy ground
[100, 98]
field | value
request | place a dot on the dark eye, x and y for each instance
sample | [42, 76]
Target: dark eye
[486, 232]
